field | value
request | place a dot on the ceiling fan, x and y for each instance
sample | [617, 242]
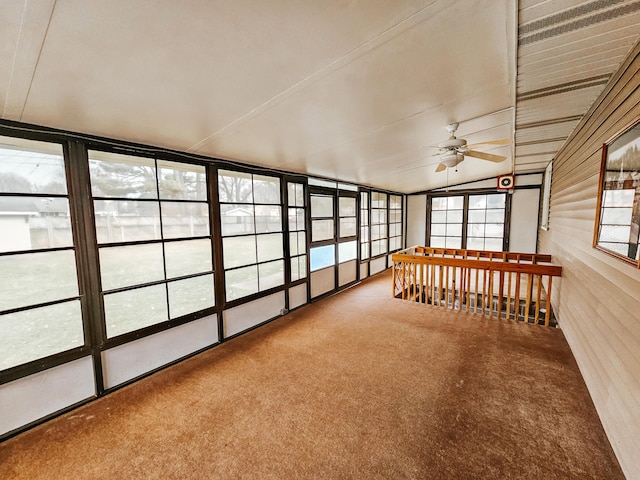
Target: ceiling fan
[453, 150]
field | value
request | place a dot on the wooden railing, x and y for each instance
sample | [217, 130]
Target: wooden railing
[500, 284]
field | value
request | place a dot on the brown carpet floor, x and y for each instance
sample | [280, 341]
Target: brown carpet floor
[357, 386]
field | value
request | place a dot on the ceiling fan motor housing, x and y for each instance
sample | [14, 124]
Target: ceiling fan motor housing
[453, 143]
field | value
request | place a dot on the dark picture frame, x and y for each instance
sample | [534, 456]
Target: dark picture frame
[617, 228]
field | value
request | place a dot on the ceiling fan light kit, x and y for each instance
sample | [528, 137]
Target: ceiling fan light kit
[453, 150]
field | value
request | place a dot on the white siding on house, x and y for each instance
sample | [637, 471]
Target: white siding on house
[597, 300]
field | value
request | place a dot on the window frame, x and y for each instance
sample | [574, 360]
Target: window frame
[465, 213]
[125, 337]
[77, 222]
[221, 279]
[633, 131]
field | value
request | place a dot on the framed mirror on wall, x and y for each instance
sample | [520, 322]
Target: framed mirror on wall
[617, 229]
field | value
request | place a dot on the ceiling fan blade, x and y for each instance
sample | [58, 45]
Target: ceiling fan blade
[441, 167]
[502, 141]
[485, 156]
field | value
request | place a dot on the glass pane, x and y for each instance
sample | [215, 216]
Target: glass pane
[496, 200]
[475, 243]
[394, 243]
[439, 216]
[322, 257]
[376, 232]
[346, 186]
[122, 176]
[477, 216]
[364, 217]
[493, 244]
[364, 234]
[293, 244]
[28, 223]
[300, 195]
[364, 200]
[182, 181]
[297, 245]
[455, 203]
[378, 216]
[235, 187]
[298, 267]
[617, 216]
[438, 229]
[32, 334]
[495, 230]
[302, 242]
[35, 278]
[453, 242]
[619, 198]
[347, 227]
[454, 229]
[347, 251]
[190, 295]
[475, 230]
[268, 219]
[130, 265]
[395, 201]
[364, 251]
[495, 216]
[239, 251]
[27, 166]
[322, 183]
[321, 206]
[378, 247]
[302, 265]
[241, 282]
[454, 216]
[439, 203]
[321, 230]
[347, 206]
[180, 219]
[378, 200]
[477, 202]
[621, 248]
[271, 274]
[187, 257]
[296, 219]
[437, 242]
[126, 220]
[269, 247]
[291, 194]
[618, 234]
[395, 216]
[134, 309]
[237, 219]
[266, 189]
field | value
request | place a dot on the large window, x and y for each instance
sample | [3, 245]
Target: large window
[471, 221]
[252, 238]
[485, 222]
[322, 231]
[379, 232]
[618, 221]
[297, 232]
[154, 239]
[364, 225]
[40, 313]
[395, 222]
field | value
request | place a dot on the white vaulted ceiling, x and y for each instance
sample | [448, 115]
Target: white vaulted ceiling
[358, 90]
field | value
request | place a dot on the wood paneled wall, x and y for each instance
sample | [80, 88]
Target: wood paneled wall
[597, 300]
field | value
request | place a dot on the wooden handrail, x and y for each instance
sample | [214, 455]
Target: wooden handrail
[504, 256]
[476, 280]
